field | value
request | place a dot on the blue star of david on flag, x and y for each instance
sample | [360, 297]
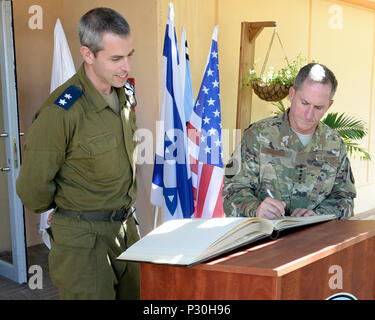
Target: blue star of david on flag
[171, 182]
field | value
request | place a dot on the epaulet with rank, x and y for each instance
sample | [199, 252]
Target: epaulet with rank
[129, 92]
[68, 97]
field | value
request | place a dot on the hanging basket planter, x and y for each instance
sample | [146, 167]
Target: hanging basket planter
[270, 92]
[274, 86]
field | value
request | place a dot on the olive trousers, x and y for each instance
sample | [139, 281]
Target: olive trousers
[82, 259]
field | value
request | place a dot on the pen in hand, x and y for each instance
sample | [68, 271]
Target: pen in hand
[271, 195]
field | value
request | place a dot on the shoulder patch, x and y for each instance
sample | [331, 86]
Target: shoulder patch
[129, 92]
[68, 97]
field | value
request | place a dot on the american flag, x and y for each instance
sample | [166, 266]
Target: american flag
[205, 142]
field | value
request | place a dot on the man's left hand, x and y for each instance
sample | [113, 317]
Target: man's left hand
[300, 212]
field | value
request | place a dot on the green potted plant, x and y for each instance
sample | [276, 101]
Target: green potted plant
[274, 85]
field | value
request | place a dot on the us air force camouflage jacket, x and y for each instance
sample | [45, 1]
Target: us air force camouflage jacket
[317, 177]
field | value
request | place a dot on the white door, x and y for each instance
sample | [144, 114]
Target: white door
[12, 231]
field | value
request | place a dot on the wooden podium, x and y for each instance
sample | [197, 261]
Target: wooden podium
[310, 263]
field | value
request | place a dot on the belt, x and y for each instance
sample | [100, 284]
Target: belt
[108, 215]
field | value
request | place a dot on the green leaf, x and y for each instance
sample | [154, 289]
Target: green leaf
[347, 126]
[353, 149]
[280, 105]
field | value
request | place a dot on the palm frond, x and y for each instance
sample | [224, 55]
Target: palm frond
[280, 106]
[353, 149]
[347, 126]
[351, 131]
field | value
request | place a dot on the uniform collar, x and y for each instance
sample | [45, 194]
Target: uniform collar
[315, 142]
[96, 101]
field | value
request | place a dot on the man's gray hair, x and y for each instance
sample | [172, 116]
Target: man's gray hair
[98, 21]
[316, 72]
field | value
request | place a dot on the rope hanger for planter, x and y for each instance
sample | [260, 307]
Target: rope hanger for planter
[273, 91]
[269, 49]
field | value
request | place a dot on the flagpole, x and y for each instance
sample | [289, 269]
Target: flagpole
[156, 216]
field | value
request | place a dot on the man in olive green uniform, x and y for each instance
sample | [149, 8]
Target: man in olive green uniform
[292, 163]
[79, 157]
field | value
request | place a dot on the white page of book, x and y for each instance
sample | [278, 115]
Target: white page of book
[180, 240]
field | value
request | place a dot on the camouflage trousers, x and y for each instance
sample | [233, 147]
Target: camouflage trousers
[82, 259]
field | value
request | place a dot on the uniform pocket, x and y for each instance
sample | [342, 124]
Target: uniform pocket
[131, 232]
[103, 155]
[72, 259]
[102, 144]
[275, 171]
[324, 177]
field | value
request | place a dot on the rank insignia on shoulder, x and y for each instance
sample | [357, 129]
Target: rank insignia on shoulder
[129, 92]
[68, 97]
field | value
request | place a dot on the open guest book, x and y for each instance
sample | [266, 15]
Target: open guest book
[187, 242]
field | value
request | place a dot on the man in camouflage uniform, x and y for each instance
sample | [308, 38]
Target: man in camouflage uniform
[79, 157]
[292, 163]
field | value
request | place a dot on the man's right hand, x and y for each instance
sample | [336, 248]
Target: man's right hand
[271, 209]
[49, 218]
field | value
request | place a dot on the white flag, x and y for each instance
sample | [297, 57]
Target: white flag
[62, 65]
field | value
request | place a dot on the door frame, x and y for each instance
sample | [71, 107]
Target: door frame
[16, 271]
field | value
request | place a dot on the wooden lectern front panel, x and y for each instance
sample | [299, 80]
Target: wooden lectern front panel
[350, 270]
[179, 283]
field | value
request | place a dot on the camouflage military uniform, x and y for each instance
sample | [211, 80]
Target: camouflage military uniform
[79, 155]
[271, 157]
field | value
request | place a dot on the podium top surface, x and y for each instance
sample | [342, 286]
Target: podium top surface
[293, 249]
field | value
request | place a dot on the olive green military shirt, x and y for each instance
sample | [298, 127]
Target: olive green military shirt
[271, 157]
[81, 158]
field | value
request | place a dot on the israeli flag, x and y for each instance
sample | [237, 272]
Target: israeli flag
[171, 182]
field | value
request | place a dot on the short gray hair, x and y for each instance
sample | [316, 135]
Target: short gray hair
[316, 72]
[98, 21]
